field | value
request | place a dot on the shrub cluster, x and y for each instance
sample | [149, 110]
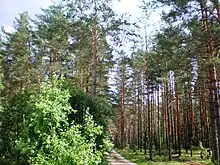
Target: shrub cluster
[37, 128]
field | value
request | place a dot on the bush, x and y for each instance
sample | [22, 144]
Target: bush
[97, 107]
[12, 119]
[47, 136]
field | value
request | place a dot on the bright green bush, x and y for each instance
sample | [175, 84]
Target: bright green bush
[46, 133]
[99, 108]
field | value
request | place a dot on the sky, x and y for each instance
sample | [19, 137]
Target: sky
[10, 9]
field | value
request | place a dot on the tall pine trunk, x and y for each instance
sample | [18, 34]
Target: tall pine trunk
[94, 65]
[158, 120]
[168, 119]
[178, 118]
[139, 113]
[148, 110]
[213, 95]
[122, 110]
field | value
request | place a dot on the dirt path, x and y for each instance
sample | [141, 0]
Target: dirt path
[116, 159]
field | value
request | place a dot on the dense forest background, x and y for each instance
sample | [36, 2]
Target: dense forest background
[69, 86]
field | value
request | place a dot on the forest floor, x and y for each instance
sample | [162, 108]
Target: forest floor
[116, 159]
[140, 159]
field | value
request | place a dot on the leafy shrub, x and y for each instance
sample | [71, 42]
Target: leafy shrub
[12, 116]
[51, 139]
[48, 136]
[97, 107]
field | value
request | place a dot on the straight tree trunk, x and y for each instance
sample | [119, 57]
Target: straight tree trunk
[129, 125]
[190, 117]
[206, 118]
[186, 120]
[201, 111]
[136, 120]
[168, 121]
[145, 127]
[175, 119]
[165, 114]
[213, 95]
[95, 61]
[178, 118]
[217, 7]
[171, 112]
[163, 117]
[139, 114]
[149, 110]
[122, 109]
[154, 123]
[158, 119]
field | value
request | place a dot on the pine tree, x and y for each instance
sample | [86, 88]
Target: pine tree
[101, 21]
[17, 56]
[51, 40]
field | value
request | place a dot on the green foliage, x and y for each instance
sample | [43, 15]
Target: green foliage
[12, 119]
[1, 75]
[52, 34]
[1, 85]
[16, 54]
[41, 132]
[97, 107]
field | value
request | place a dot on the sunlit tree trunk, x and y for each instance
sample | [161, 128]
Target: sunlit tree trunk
[139, 113]
[94, 65]
[148, 110]
[186, 123]
[190, 121]
[171, 113]
[158, 120]
[178, 118]
[123, 107]
[163, 129]
[168, 119]
[213, 95]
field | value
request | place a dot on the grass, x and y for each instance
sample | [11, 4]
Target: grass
[141, 159]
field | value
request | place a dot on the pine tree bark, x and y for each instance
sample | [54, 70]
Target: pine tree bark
[178, 118]
[163, 129]
[190, 118]
[168, 121]
[201, 111]
[139, 114]
[213, 95]
[149, 110]
[153, 119]
[94, 66]
[186, 120]
[171, 112]
[158, 120]
[122, 110]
